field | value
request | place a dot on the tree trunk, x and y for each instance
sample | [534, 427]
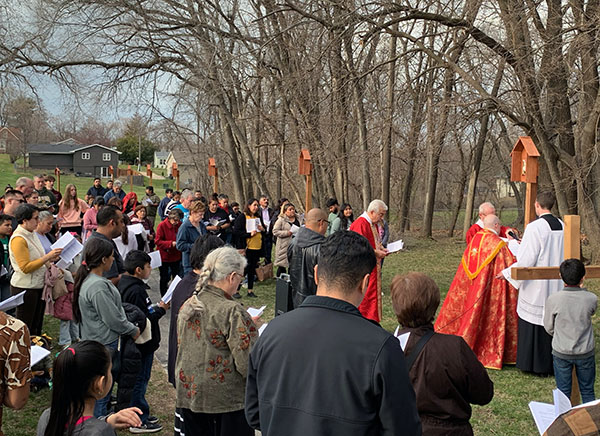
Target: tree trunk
[386, 152]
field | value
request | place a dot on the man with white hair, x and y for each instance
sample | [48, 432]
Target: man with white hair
[480, 307]
[25, 185]
[116, 191]
[186, 199]
[369, 225]
[485, 209]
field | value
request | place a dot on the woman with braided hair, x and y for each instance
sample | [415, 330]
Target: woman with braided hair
[215, 336]
[97, 305]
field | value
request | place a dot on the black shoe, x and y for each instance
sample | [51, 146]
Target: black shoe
[252, 295]
[145, 428]
[152, 419]
[237, 296]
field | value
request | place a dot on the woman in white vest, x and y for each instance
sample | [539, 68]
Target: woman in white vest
[28, 259]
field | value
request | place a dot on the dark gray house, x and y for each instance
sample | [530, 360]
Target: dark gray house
[73, 157]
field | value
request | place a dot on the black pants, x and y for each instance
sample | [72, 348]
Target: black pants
[268, 247]
[253, 256]
[534, 349]
[214, 424]
[31, 312]
[168, 271]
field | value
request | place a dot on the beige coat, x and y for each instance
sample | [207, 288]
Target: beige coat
[281, 230]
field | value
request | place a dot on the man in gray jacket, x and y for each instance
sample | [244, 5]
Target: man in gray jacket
[303, 255]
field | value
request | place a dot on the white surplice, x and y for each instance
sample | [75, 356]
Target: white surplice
[540, 246]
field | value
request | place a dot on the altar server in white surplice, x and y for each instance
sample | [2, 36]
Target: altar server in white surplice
[542, 245]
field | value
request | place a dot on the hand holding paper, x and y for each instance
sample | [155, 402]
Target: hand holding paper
[395, 246]
[169, 294]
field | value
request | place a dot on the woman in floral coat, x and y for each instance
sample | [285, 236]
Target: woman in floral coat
[215, 337]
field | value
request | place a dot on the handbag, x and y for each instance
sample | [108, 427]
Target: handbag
[264, 272]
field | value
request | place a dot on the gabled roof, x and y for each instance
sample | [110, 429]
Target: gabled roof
[14, 131]
[161, 154]
[64, 147]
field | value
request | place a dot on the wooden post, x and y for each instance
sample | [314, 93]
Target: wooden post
[305, 168]
[175, 173]
[111, 172]
[530, 196]
[149, 173]
[213, 171]
[130, 175]
[57, 173]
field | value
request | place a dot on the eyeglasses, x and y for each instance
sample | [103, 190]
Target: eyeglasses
[235, 273]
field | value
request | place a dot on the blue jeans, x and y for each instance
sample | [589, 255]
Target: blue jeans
[138, 396]
[101, 409]
[69, 332]
[586, 374]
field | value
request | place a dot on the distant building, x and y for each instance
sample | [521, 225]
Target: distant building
[503, 187]
[90, 160]
[189, 166]
[160, 159]
[11, 140]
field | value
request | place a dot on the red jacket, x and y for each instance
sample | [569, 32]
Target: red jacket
[166, 234]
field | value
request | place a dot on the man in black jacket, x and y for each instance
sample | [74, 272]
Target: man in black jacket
[133, 290]
[323, 369]
[303, 255]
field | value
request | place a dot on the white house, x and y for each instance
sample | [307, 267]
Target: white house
[160, 159]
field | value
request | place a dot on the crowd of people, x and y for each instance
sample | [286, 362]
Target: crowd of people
[305, 374]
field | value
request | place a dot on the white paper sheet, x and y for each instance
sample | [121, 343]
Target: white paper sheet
[155, 260]
[146, 202]
[169, 294]
[543, 415]
[562, 403]
[294, 229]
[12, 302]
[262, 328]
[403, 338]
[37, 354]
[71, 248]
[395, 246]
[256, 312]
[137, 229]
[251, 225]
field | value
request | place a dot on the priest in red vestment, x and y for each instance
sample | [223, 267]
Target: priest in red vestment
[368, 225]
[479, 307]
[485, 209]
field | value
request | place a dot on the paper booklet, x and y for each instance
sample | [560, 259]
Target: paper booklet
[544, 414]
[256, 312]
[294, 229]
[155, 260]
[71, 248]
[37, 354]
[395, 246]
[169, 294]
[12, 302]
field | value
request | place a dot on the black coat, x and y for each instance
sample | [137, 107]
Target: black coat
[303, 255]
[133, 290]
[324, 370]
[130, 358]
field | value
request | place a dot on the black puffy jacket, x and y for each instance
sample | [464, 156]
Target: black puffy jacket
[130, 357]
[303, 255]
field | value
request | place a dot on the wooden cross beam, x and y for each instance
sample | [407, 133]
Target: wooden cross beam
[572, 250]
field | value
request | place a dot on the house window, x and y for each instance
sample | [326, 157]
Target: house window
[106, 157]
[163, 162]
[85, 155]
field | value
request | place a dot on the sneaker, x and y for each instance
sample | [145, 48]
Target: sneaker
[237, 295]
[146, 428]
[152, 419]
[252, 295]
[244, 284]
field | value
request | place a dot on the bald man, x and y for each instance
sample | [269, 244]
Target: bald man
[303, 255]
[485, 209]
[480, 307]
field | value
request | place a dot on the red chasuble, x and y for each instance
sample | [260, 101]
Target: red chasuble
[371, 304]
[477, 228]
[480, 308]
